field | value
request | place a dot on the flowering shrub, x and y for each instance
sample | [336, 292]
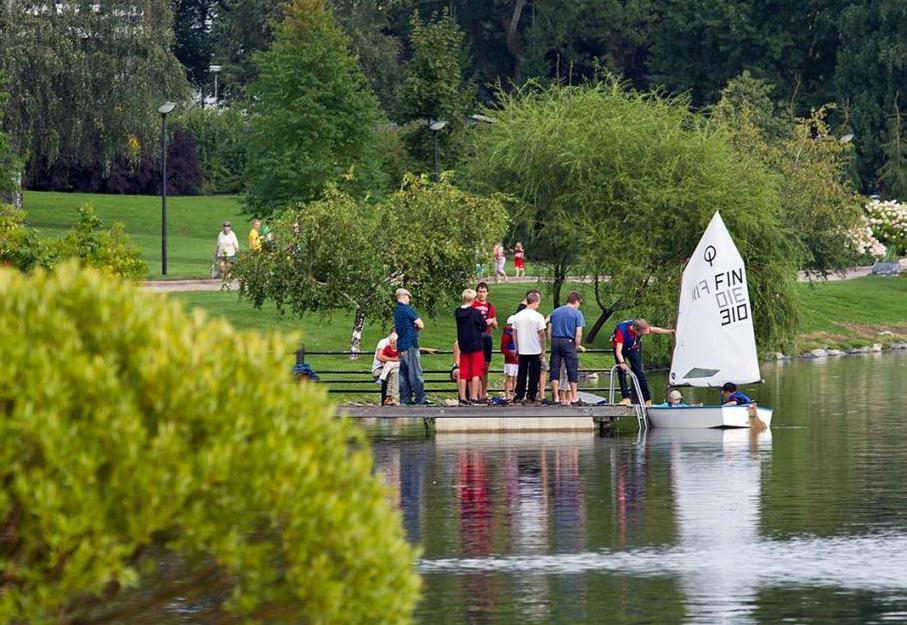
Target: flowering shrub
[888, 221]
[864, 243]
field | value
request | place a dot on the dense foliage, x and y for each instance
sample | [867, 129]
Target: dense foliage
[313, 119]
[344, 254]
[84, 81]
[150, 458]
[888, 221]
[88, 242]
[219, 135]
[620, 186]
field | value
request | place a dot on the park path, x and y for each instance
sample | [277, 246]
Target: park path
[207, 284]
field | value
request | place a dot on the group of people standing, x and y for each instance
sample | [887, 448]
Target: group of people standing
[534, 347]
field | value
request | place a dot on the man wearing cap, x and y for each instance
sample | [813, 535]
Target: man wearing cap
[408, 325]
[227, 247]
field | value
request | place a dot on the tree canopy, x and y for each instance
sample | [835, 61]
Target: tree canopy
[340, 253]
[153, 460]
[313, 119]
[85, 81]
[620, 185]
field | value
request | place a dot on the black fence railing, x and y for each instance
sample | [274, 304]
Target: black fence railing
[359, 380]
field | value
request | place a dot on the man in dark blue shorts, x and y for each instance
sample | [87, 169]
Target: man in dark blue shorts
[566, 326]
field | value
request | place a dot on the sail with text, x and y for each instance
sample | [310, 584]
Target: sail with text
[715, 341]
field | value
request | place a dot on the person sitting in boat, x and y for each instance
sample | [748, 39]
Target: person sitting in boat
[675, 400]
[730, 396]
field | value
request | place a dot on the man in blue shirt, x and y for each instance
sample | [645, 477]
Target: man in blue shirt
[566, 327]
[408, 325]
[627, 343]
[730, 396]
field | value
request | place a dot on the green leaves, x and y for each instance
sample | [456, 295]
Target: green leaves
[147, 454]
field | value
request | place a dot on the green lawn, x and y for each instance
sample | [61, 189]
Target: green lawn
[853, 312]
[193, 224]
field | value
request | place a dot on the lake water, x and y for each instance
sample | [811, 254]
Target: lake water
[806, 523]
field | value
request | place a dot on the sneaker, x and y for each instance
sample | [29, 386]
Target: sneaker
[624, 402]
[465, 402]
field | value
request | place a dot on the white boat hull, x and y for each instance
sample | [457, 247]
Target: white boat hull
[706, 417]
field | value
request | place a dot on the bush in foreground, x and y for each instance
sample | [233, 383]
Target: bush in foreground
[153, 461]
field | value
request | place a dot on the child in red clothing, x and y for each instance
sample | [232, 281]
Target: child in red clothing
[511, 362]
[519, 259]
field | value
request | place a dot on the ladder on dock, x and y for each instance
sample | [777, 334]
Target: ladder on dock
[639, 408]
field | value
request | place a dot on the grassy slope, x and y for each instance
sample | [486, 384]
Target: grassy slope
[193, 224]
[853, 312]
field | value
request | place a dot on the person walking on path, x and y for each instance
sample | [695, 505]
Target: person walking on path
[627, 343]
[255, 236]
[226, 249]
[529, 337]
[408, 325]
[499, 260]
[566, 326]
[471, 328]
[486, 308]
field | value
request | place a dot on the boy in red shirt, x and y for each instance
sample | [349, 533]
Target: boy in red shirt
[511, 362]
[485, 307]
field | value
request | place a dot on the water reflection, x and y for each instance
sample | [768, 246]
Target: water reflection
[704, 527]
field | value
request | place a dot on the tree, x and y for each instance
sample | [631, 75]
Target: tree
[240, 29]
[621, 184]
[151, 458]
[220, 137]
[818, 205]
[334, 254]
[193, 47]
[85, 79]
[313, 119]
[435, 88]
[9, 164]
[870, 75]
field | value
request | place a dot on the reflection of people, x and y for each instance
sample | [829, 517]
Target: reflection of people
[627, 343]
[730, 396]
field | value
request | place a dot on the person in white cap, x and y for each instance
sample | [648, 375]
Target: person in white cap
[408, 325]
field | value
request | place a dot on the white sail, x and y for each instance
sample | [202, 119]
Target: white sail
[715, 342]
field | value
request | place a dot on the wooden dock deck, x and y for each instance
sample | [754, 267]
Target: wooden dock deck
[520, 418]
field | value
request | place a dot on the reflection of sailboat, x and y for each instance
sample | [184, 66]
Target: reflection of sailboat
[716, 477]
[715, 340]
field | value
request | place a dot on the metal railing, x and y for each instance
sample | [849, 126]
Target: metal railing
[640, 406]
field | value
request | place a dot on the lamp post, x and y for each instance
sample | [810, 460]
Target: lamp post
[435, 127]
[215, 69]
[164, 109]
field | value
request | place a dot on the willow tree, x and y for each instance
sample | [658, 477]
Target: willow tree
[620, 185]
[343, 254]
[85, 80]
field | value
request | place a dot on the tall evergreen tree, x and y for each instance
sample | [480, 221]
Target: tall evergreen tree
[313, 119]
[192, 31]
[85, 80]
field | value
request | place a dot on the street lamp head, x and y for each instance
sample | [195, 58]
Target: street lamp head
[214, 68]
[436, 126]
[166, 107]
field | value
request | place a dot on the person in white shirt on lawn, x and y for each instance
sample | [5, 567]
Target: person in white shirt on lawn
[227, 248]
[529, 337]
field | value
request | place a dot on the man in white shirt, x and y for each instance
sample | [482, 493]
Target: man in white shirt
[529, 337]
[227, 248]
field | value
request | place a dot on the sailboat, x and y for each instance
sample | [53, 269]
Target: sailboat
[714, 342]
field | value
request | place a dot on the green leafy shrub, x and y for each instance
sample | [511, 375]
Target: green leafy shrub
[220, 140]
[150, 457]
[110, 250]
[20, 246]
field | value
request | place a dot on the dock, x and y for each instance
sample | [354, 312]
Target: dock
[520, 418]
